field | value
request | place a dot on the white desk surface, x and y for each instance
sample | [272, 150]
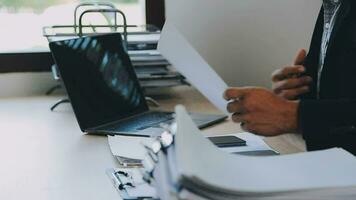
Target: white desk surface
[45, 155]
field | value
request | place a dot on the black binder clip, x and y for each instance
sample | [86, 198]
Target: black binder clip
[122, 173]
[124, 186]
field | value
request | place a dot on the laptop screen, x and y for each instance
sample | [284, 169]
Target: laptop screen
[99, 79]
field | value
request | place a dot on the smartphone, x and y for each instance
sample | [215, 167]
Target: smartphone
[227, 141]
[259, 153]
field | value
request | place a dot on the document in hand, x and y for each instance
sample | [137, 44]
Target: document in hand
[211, 173]
[188, 62]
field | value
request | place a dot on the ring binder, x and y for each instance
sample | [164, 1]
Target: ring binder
[181, 172]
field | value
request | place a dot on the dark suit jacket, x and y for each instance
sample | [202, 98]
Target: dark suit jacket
[331, 121]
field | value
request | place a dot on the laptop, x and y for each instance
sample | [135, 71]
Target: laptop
[104, 90]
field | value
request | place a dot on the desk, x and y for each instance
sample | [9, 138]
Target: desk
[45, 155]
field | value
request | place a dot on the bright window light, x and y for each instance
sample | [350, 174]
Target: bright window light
[21, 21]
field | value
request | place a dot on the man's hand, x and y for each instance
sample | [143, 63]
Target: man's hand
[261, 112]
[289, 82]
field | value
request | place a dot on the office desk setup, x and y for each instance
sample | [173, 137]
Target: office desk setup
[45, 155]
[145, 115]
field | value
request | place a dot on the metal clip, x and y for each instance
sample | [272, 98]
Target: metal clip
[166, 139]
[159, 145]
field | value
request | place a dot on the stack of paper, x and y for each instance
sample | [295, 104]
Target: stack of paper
[152, 69]
[210, 173]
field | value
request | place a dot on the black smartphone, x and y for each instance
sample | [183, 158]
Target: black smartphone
[227, 141]
[258, 153]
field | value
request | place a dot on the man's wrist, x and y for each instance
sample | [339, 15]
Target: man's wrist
[292, 117]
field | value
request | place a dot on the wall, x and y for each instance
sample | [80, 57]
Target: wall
[245, 40]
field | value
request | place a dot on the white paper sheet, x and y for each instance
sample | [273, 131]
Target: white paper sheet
[177, 50]
[128, 147]
[313, 170]
[132, 147]
[253, 143]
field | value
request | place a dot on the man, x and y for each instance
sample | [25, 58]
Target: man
[316, 96]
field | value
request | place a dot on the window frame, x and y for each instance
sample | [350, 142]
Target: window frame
[42, 61]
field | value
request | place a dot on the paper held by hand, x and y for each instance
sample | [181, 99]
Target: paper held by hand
[175, 48]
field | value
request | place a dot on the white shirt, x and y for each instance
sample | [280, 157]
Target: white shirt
[331, 10]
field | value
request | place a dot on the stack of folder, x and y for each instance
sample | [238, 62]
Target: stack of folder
[179, 171]
[152, 69]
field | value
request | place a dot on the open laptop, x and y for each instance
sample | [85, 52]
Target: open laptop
[104, 91]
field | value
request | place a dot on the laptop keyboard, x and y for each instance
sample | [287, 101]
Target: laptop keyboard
[143, 121]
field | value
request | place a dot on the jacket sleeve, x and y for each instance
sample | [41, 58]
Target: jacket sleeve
[323, 119]
[312, 60]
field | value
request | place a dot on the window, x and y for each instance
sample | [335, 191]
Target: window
[24, 49]
[21, 21]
